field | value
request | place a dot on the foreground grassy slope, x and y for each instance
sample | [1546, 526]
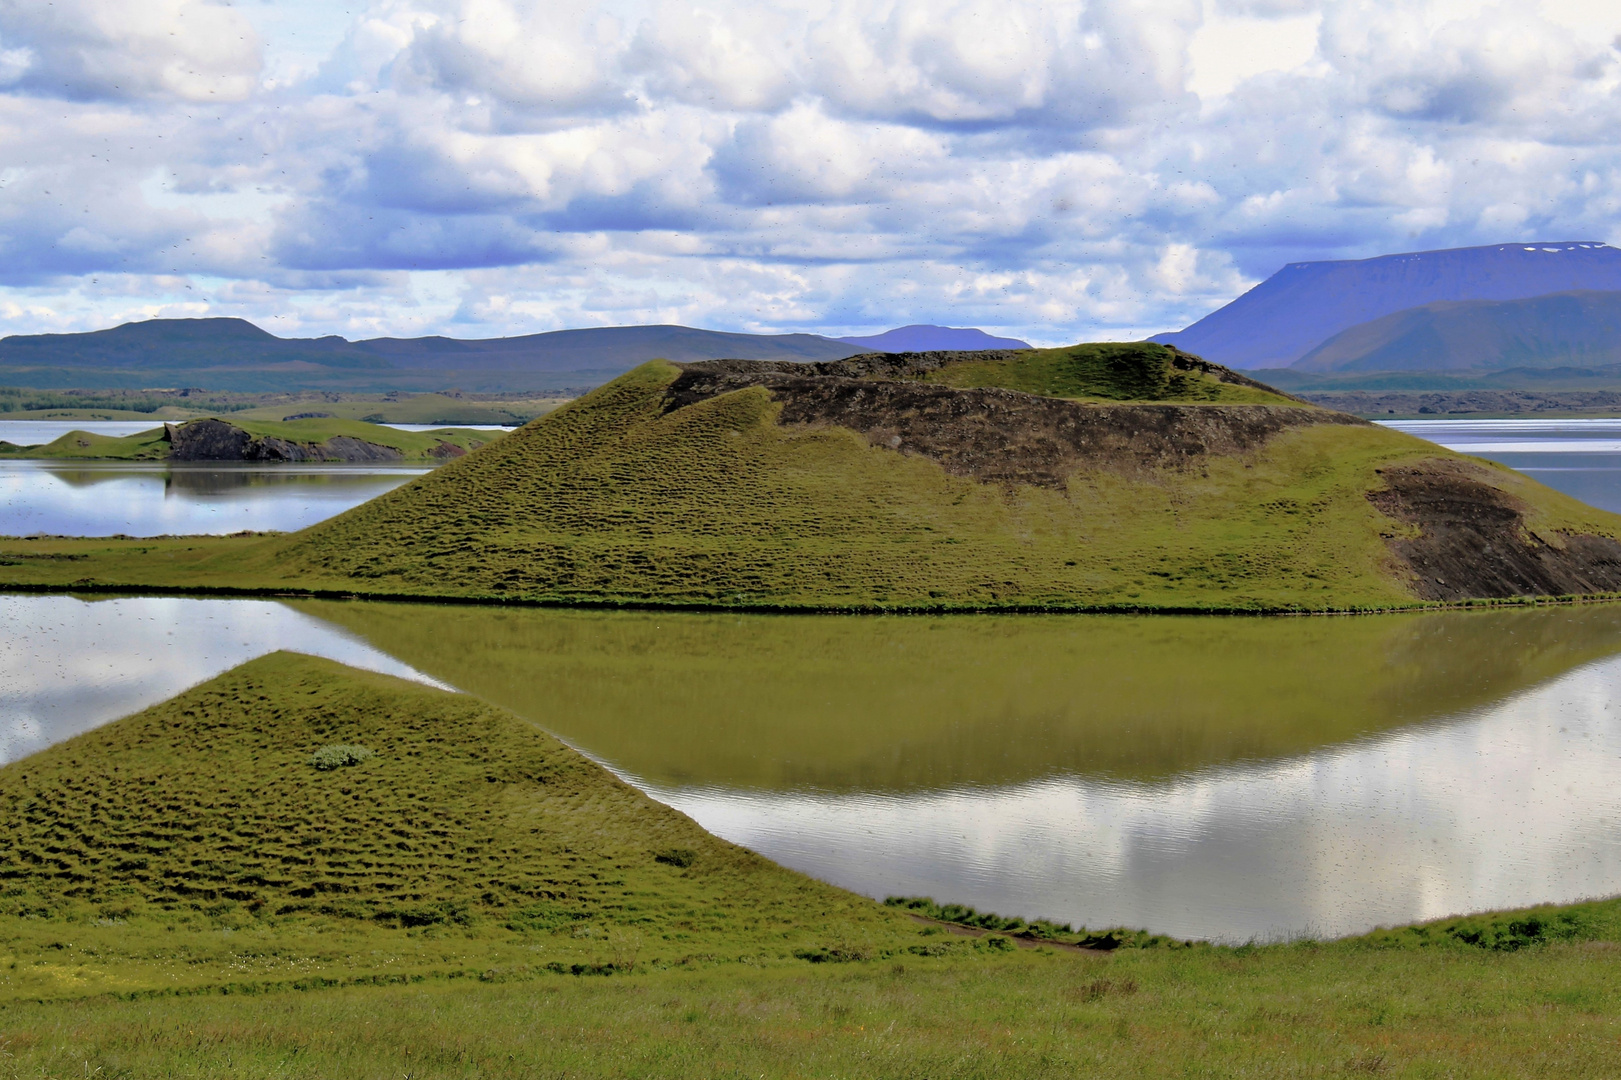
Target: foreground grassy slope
[621, 498]
[196, 844]
[1372, 1007]
[153, 445]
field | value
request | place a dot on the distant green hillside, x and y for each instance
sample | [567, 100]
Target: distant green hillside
[1109, 371]
[866, 486]
[1562, 330]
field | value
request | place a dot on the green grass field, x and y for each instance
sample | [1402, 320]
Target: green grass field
[185, 893]
[449, 409]
[615, 500]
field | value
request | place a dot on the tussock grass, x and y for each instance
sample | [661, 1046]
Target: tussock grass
[1300, 1010]
[194, 845]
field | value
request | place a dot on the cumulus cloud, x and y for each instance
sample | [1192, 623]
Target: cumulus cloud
[1058, 171]
[192, 50]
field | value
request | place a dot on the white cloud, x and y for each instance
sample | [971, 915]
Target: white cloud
[1226, 50]
[194, 50]
[500, 166]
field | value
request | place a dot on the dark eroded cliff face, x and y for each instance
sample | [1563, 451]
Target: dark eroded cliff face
[995, 435]
[217, 440]
[1474, 540]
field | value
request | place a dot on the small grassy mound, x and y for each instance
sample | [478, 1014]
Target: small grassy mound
[206, 827]
[142, 446]
[1111, 371]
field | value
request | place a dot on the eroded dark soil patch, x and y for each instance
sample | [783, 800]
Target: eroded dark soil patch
[992, 435]
[1473, 540]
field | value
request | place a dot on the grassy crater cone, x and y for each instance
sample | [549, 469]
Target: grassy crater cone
[940, 481]
[1093, 478]
[209, 805]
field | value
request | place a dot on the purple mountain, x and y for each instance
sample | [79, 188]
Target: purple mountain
[1304, 304]
[922, 338]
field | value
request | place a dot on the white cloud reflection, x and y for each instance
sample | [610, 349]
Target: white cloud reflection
[1512, 806]
[71, 665]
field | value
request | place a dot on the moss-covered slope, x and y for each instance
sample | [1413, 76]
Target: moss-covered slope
[868, 484]
[695, 485]
[209, 811]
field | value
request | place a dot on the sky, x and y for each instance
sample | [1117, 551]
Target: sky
[1053, 171]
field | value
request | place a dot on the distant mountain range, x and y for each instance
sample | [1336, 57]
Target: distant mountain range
[234, 354]
[1295, 312]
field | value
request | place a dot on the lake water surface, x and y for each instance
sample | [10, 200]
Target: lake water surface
[1221, 778]
[1579, 457]
[111, 498]
[1206, 777]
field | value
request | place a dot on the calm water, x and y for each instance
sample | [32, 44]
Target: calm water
[1579, 457]
[1202, 777]
[1582, 458]
[156, 499]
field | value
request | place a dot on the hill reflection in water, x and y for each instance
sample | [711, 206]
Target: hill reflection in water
[1211, 777]
[893, 704]
[157, 498]
[1205, 777]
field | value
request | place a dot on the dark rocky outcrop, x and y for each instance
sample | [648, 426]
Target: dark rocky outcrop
[1474, 542]
[217, 440]
[992, 435]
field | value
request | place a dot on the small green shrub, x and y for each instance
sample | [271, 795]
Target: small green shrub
[337, 755]
[682, 857]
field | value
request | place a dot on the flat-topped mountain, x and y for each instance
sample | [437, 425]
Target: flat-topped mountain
[924, 338]
[1097, 477]
[1303, 305]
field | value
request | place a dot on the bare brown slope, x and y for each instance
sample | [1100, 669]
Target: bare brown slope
[1476, 540]
[1000, 436]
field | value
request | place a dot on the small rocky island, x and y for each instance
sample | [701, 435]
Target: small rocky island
[299, 439]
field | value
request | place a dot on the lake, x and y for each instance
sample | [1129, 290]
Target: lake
[1579, 457]
[1582, 458]
[1205, 777]
[109, 498]
[104, 498]
[1222, 778]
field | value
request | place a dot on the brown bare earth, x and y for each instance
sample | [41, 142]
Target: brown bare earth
[992, 435]
[1474, 540]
